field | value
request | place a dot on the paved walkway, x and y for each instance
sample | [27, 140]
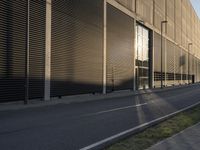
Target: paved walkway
[188, 139]
[18, 105]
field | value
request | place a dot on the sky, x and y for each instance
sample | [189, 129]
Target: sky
[196, 5]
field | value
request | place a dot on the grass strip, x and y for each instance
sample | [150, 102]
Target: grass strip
[159, 132]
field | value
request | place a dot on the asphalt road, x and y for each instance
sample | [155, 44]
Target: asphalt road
[75, 126]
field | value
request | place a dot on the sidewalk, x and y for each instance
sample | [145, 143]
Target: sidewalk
[188, 139]
[85, 98]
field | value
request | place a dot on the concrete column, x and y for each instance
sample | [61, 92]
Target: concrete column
[174, 64]
[197, 63]
[104, 45]
[198, 71]
[152, 61]
[134, 53]
[48, 51]
[181, 68]
[165, 63]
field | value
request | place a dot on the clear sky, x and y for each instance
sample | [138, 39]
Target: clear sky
[196, 5]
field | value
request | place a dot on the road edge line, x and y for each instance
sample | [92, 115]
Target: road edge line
[107, 141]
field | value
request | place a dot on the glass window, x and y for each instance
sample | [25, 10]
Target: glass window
[142, 57]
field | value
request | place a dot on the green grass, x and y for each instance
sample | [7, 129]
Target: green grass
[159, 132]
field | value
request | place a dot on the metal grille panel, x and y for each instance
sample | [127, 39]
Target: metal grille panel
[120, 52]
[77, 47]
[170, 62]
[129, 4]
[37, 48]
[12, 49]
[145, 10]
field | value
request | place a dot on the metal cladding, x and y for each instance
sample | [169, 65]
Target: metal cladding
[37, 48]
[120, 55]
[183, 23]
[178, 65]
[12, 49]
[95, 46]
[77, 37]
[170, 63]
[145, 10]
[130, 4]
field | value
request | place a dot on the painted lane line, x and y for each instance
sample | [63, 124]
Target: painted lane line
[116, 109]
[130, 106]
[92, 146]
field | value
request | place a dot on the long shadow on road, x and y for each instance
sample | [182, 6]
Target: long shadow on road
[74, 126]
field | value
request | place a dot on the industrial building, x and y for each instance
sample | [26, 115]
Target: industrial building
[55, 48]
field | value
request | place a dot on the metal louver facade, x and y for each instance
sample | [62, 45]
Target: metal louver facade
[120, 50]
[12, 49]
[95, 46]
[77, 50]
[170, 63]
[157, 59]
[184, 62]
[178, 66]
[37, 48]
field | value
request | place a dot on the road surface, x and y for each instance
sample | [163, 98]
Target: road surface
[78, 125]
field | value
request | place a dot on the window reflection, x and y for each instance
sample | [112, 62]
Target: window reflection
[142, 58]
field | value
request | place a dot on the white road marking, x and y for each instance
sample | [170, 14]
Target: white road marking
[134, 129]
[116, 109]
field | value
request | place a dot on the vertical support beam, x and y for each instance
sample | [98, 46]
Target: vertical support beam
[195, 65]
[27, 55]
[161, 56]
[188, 77]
[181, 67]
[165, 52]
[154, 8]
[196, 69]
[48, 51]
[174, 64]
[134, 50]
[104, 44]
[163, 22]
[136, 6]
[152, 61]
[197, 80]
[189, 53]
